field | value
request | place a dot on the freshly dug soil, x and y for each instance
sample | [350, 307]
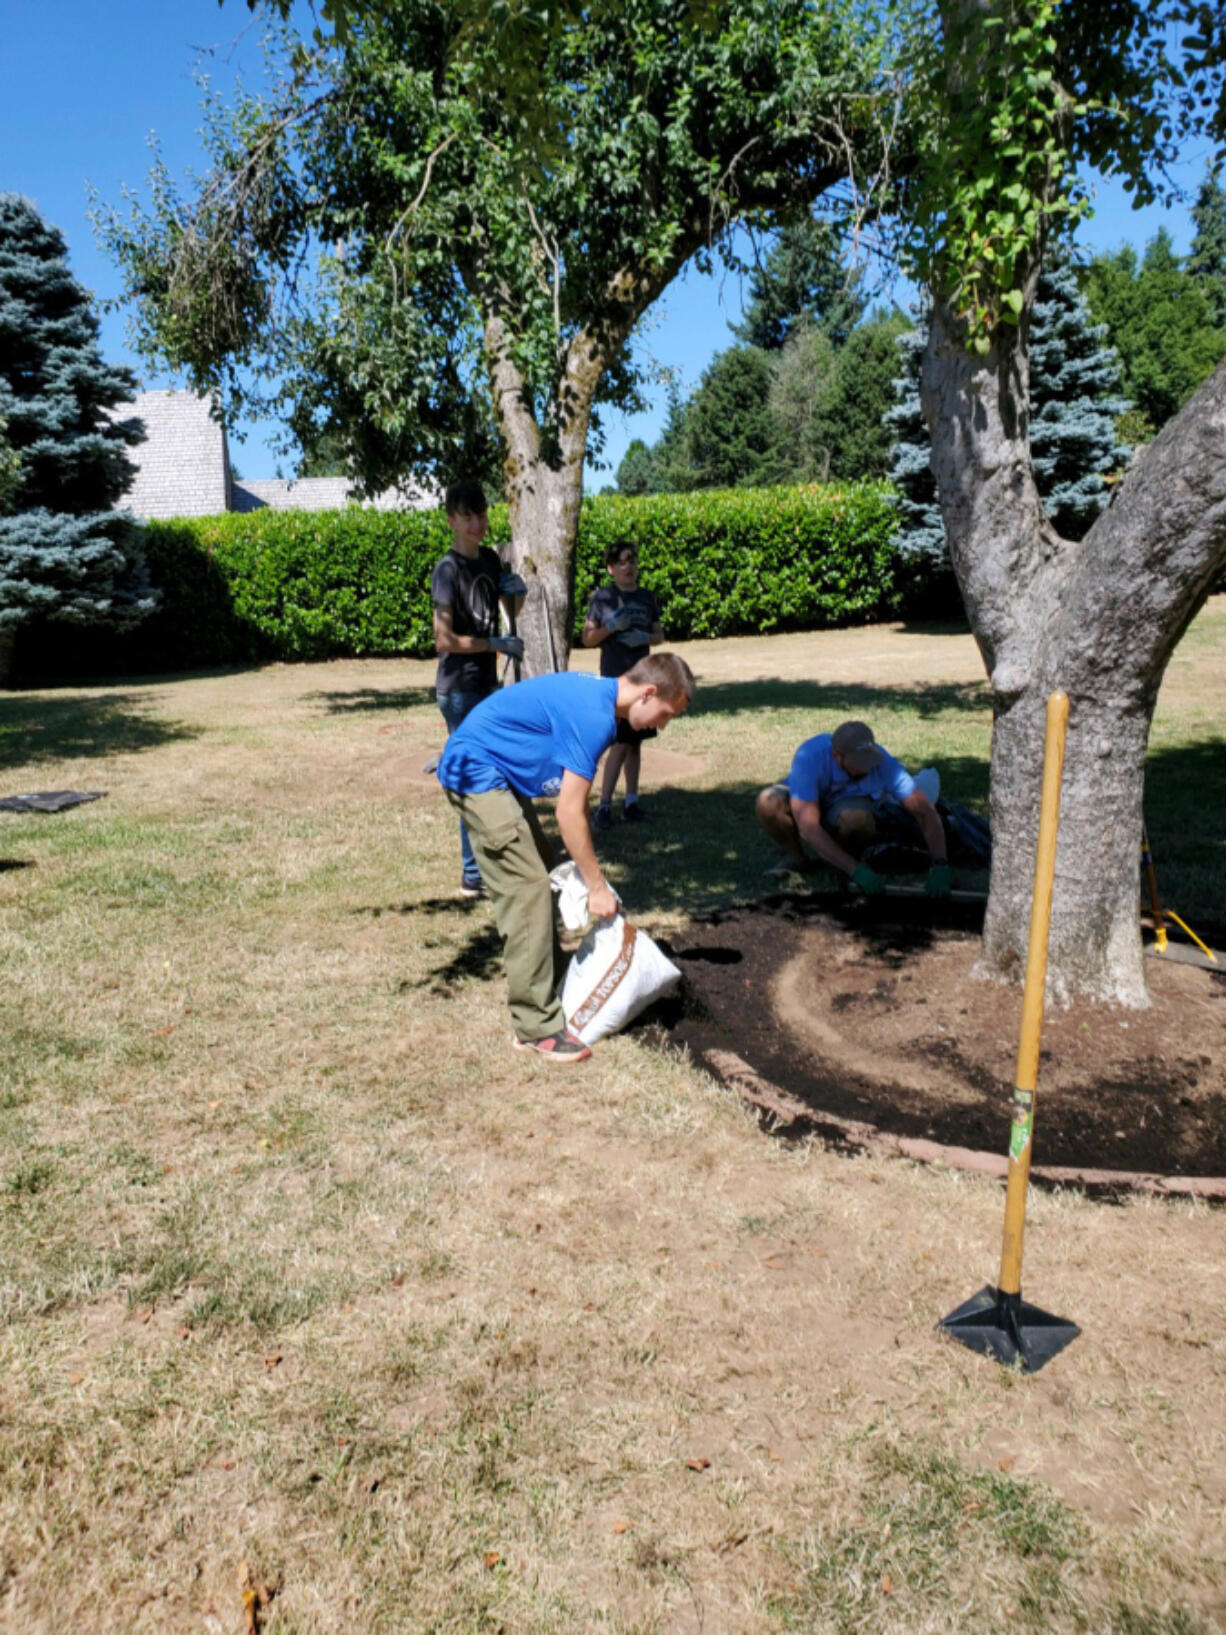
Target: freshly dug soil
[871, 1012]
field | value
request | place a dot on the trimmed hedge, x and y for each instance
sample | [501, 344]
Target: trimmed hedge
[739, 561]
[312, 585]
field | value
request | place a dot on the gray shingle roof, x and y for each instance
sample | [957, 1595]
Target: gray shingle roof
[183, 469]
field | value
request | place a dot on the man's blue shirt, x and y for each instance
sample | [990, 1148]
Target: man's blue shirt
[816, 776]
[524, 737]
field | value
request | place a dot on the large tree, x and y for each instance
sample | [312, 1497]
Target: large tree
[424, 213]
[1013, 95]
[67, 555]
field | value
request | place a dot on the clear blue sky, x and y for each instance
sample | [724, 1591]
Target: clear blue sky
[83, 84]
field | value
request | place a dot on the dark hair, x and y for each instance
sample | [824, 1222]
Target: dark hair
[668, 673]
[466, 496]
[616, 551]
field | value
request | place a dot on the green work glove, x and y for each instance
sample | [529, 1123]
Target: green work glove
[868, 880]
[939, 882]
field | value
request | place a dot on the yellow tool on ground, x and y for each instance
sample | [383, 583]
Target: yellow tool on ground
[1161, 943]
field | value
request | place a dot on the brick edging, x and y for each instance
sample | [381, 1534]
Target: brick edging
[735, 1071]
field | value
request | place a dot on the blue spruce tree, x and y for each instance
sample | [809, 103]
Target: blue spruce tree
[1075, 401]
[66, 555]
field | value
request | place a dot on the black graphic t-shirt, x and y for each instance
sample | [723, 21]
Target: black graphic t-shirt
[467, 588]
[615, 656]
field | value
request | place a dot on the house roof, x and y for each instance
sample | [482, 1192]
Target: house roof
[183, 470]
[183, 466]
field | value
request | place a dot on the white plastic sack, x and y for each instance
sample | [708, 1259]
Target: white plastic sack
[572, 896]
[617, 972]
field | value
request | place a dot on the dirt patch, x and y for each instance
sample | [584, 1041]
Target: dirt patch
[884, 1022]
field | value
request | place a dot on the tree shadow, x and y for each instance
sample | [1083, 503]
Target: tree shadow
[373, 699]
[9, 863]
[837, 701]
[703, 847]
[38, 730]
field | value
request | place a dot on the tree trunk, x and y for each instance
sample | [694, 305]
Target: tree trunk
[8, 645]
[1098, 619]
[544, 493]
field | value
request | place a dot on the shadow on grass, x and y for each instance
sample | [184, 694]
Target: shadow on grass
[36, 730]
[478, 958]
[373, 700]
[835, 701]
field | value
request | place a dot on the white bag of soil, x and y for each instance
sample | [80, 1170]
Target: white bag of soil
[616, 973]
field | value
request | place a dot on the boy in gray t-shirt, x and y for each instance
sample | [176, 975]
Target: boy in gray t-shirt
[623, 620]
[466, 588]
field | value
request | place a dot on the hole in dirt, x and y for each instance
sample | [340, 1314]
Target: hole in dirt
[880, 1019]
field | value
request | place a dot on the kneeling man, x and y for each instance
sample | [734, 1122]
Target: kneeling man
[837, 780]
[545, 737]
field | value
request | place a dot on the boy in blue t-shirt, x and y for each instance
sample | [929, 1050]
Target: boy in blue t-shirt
[623, 620]
[837, 780]
[545, 737]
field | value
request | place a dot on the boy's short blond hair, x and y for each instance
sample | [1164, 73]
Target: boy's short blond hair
[668, 673]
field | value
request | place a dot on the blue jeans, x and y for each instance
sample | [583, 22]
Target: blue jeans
[455, 706]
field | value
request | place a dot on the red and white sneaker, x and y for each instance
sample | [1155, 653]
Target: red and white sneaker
[563, 1046]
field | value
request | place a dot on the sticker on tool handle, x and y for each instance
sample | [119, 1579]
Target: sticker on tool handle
[1023, 1123]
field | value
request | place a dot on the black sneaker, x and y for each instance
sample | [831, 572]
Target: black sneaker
[473, 888]
[603, 818]
[563, 1046]
[634, 813]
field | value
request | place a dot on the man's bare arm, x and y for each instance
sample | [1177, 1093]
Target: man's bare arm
[446, 640]
[809, 823]
[929, 820]
[577, 838]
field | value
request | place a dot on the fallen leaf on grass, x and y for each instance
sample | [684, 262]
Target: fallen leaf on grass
[1007, 1463]
[144, 1314]
[76, 1379]
[887, 1584]
[256, 1596]
[162, 1032]
[698, 1464]
[271, 1362]
[621, 1526]
[491, 1559]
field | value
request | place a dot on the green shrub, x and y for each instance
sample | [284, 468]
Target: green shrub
[737, 561]
[356, 583]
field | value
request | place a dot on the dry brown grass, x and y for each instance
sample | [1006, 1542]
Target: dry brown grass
[301, 1266]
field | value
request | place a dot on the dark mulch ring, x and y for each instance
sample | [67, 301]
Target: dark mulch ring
[870, 1011]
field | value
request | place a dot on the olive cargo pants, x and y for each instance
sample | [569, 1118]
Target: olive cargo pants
[515, 856]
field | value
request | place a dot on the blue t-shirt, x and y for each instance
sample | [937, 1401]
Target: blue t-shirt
[816, 776]
[524, 737]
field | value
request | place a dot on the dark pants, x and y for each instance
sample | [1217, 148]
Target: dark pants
[455, 706]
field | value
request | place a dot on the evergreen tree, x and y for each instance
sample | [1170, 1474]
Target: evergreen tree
[1207, 263]
[921, 533]
[849, 420]
[1075, 402]
[673, 472]
[66, 553]
[730, 434]
[1159, 322]
[10, 469]
[802, 277]
[637, 472]
[802, 373]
